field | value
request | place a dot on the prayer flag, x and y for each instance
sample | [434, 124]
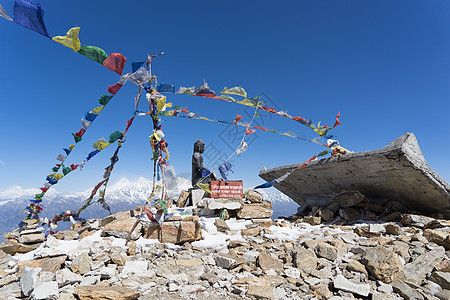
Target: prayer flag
[30, 15]
[92, 52]
[235, 91]
[115, 62]
[113, 89]
[70, 40]
[3, 14]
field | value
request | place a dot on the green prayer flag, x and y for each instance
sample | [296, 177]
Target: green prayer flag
[55, 169]
[77, 138]
[104, 99]
[324, 152]
[39, 196]
[115, 136]
[95, 53]
[228, 98]
[66, 170]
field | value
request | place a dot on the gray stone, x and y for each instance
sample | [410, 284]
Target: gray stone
[90, 280]
[224, 260]
[350, 198]
[383, 263]
[45, 290]
[65, 277]
[121, 228]
[326, 251]
[406, 291]
[292, 273]
[305, 259]
[197, 197]
[397, 169]
[253, 196]
[416, 220]
[32, 238]
[384, 288]
[393, 229]
[416, 270]
[376, 228]
[81, 264]
[221, 225]
[441, 278]
[29, 279]
[341, 283]
[219, 203]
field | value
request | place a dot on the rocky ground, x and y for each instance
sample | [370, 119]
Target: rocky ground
[351, 249]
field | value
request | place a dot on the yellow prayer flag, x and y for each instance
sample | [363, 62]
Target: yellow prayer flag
[70, 40]
[97, 110]
[71, 147]
[204, 187]
[101, 144]
[57, 176]
[235, 91]
[160, 104]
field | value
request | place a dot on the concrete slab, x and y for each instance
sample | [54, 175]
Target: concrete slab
[398, 170]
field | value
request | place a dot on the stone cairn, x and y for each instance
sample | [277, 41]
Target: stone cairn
[328, 253]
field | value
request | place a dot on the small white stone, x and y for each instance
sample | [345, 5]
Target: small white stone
[292, 273]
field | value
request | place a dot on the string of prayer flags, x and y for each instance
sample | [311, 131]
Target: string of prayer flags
[224, 169]
[235, 91]
[3, 14]
[30, 15]
[115, 62]
[70, 40]
[93, 52]
[307, 162]
[264, 185]
[165, 88]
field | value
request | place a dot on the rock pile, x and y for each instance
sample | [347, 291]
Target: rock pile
[349, 207]
[236, 259]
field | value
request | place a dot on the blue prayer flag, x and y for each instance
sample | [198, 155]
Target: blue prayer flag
[30, 15]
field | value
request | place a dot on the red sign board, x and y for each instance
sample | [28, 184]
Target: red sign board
[227, 189]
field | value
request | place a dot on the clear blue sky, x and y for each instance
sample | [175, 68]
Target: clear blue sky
[384, 64]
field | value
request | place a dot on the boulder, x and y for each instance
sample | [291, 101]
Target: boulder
[253, 196]
[341, 283]
[253, 231]
[267, 262]
[441, 278]
[222, 203]
[221, 225]
[254, 211]
[350, 198]
[106, 293]
[182, 199]
[29, 279]
[45, 290]
[81, 264]
[65, 277]
[312, 220]
[416, 220]
[179, 232]
[406, 291]
[382, 263]
[417, 270]
[49, 264]
[225, 260]
[260, 292]
[325, 250]
[305, 259]
[120, 228]
[12, 247]
[32, 238]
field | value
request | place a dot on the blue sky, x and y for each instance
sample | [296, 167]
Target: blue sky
[383, 64]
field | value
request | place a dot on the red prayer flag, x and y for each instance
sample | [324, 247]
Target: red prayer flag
[249, 131]
[238, 117]
[299, 119]
[260, 128]
[115, 62]
[73, 167]
[113, 89]
[80, 132]
[307, 162]
[337, 119]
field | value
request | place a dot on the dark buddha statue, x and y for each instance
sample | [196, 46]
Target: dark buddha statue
[197, 165]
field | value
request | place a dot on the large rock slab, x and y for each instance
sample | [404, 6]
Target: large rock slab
[397, 169]
[105, 293]
[121, 228]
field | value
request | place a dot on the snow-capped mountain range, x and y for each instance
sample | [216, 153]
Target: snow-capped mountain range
[122, 195]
